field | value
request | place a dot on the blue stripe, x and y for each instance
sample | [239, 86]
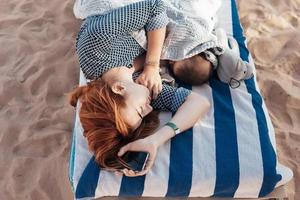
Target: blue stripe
[72, 155]
[227, 161]
[88, 181]
[181, 161]
[268, 154]
[132, 186]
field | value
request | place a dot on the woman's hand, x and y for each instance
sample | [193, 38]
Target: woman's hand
[147, 144]
[151, 79]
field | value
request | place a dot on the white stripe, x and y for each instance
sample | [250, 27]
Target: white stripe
[82, 155]
[285, 172]
[109, 184]
[270, 126]
[82, 79]
[224, 17]
[250, 159]
[76, 170]
[156, 183]
[271, 131]
[204, 160]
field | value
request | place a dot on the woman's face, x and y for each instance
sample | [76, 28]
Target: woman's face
[137, 99]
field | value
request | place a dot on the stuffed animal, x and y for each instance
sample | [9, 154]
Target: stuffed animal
[165, 74]
[231, 68]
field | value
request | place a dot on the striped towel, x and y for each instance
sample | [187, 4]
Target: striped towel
[229, 153]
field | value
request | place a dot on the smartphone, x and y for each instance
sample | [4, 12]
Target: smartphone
[136, 160]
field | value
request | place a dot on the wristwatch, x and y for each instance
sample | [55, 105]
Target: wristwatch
[174, 127]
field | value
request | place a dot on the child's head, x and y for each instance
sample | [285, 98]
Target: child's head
[194, 70]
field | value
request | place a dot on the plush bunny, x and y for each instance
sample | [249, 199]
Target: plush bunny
[231, 68]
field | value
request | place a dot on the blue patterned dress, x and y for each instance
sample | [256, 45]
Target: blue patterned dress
[104, 42]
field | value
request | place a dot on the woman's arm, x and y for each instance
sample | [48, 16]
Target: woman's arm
[193, 109]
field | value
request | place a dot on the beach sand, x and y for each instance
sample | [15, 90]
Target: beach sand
[272, 29]
[38, 65]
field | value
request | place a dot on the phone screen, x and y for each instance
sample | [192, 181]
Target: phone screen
[136, 159]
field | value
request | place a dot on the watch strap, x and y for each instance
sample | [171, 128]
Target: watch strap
[174, 127]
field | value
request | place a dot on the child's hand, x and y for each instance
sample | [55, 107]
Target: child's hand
[151, 79]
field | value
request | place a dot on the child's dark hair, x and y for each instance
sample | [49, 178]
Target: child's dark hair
[194, 71]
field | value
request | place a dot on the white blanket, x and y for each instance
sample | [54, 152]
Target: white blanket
[190, 28]
[84, 8]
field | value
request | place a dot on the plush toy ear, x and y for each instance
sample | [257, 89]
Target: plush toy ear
[241, 70]
[234, 46]
[250, 70]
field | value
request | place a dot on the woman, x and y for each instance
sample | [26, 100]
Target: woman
[117, 105]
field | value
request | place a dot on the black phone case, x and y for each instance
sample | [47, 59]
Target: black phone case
[136, 159]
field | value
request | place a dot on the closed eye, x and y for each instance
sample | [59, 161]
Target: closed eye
[139, 113]
[142, 111]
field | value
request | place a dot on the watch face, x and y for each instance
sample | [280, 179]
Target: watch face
[177, 131]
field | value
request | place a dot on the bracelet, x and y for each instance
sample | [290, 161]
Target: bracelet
[174, 127]
[151, 63]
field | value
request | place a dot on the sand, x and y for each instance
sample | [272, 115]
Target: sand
[38, 65]
[273, 33]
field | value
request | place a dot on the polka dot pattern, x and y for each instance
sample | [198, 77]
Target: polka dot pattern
[104, 41]
[170, 98]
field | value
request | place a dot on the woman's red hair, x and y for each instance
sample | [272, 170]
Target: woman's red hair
[104, 128]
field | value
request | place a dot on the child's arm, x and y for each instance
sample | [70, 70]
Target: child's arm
[155, 42]
[150, 76]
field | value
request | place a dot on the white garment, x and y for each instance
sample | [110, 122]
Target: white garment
[190, 30]
[84, 8]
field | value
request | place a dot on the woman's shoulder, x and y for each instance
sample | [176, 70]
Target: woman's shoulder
[91, 28]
